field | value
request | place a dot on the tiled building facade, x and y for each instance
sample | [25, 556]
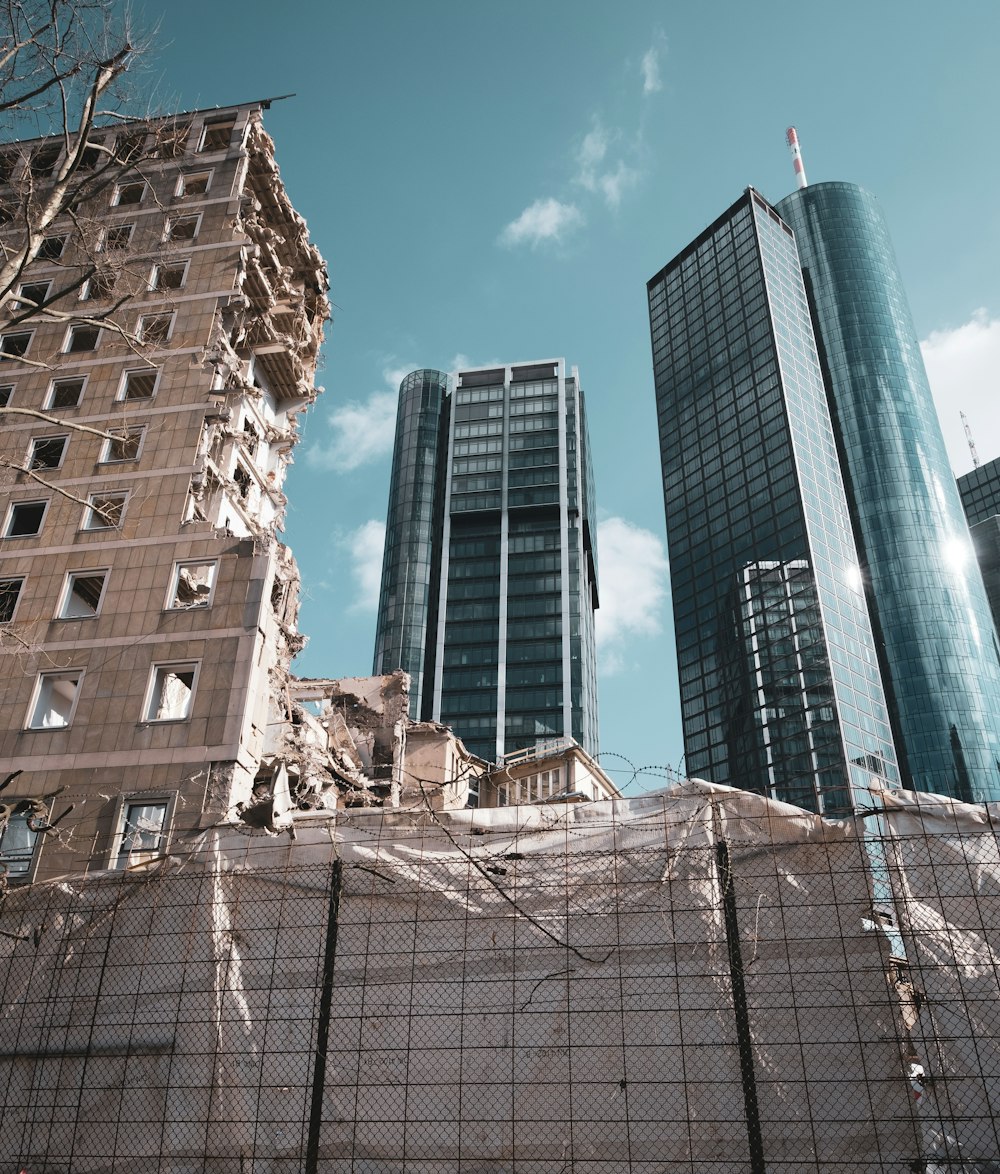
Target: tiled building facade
[147, 609]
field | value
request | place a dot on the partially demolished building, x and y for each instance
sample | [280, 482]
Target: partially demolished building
[148, 609]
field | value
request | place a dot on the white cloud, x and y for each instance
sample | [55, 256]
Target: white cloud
[963, 366]
[610, 182]
[364, 548]
[633, 583]
[591, 155]
[614, 183]
[651, 81]
[544, 220]
[363, 430]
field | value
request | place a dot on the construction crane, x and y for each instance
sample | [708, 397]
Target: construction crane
[972, 443]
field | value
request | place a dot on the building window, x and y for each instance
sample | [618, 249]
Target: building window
[65, 393]
[51, 248]
[83, 594]
[34, 293]
[141, 831]
[54, 702]
[138, 385]
[169, 276]
[192, 585]
[99, 286]
[105, 511]
[244, 483]
[125, 446]
[155, 328]
[118, 237]
[19, 835]
[129, 144]
[43, 162]
[171, 141]
[82, 338]
[182, 228]
[47, 452]
[171, 691]
[92, 154]
[15, 345]
[10, 593]
[5, 393]
[129, 193]
[24, 519]
[216, 135]
[194, 184]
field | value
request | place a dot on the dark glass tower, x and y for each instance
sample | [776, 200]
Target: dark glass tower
[930, 614]
[780, 687]
[489, 581]
[980, 491]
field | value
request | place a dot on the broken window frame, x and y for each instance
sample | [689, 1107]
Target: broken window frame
[12, 510]
[6, 393]
[11, 350]
[68, 594]
[158, 337]
[43, 161]
[26, 299]
[173, 601]
[105, 511]
[245, 483]
[153, 704]
[188, 182]
[99, 286]
[17, 860]
[211, 132]
[129, 144]
[35, 449]
[127, 379]
[117, 236]
[35, 719]
[129, 188]
[175, 272]
[194, 219]
[78, 339]
[171, 141]
[48, 250]
[52, 403]
[124, 436]
[124, 853]
[11, 590]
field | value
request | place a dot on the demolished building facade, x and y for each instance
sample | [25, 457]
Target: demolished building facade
[149, 608]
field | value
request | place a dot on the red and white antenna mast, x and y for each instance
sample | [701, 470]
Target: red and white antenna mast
[792, 138]
[968, 437]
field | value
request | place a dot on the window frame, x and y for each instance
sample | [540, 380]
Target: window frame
[154, 693]
[121, 397]
[50, 397]
[128, 431]
[6, 393]
[165, 799]
[180, 565]
[71, 332]
[25, 876]
[183, 217]
[181, 191]
[35, 440]
[91, 512]
[125, 226]
[94, 289]
[209, 127]
[67, 591]
[180, 267]
[20, 580]
[120, 188]
[157, 314]
[13, 356]
[45, 249]
[25, 285]
[36, 696]
[12, 508]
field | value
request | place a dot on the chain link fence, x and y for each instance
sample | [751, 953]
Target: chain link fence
[699, 980]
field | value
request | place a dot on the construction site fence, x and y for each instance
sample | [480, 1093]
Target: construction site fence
[698, 980]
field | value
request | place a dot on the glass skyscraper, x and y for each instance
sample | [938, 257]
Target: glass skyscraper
[489, 580]
[931, 618]
[980, 492]
[805, 483]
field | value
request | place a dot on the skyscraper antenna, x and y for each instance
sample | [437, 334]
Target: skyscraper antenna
[972, 443]
[792, 138]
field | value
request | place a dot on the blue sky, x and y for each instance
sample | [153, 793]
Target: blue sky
[498, 181]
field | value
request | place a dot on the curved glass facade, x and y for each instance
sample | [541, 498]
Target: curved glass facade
[932, 622]
[412, 534]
